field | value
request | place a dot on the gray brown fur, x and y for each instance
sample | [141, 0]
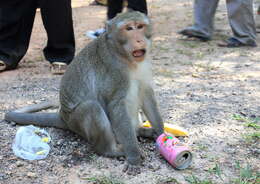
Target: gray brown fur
[100, 96]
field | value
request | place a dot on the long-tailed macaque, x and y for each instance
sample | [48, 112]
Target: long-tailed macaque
[103, 89]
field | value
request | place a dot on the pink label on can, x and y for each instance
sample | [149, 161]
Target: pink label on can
[169, 147]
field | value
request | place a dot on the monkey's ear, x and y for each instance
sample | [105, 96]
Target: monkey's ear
[149, 31]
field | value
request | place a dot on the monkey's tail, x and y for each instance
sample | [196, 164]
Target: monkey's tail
[38, 107]
[39, 119]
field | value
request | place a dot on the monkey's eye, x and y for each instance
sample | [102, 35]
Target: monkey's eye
[140, 26]
[129, 28]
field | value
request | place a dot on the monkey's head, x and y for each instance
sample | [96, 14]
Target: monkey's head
[130, 33]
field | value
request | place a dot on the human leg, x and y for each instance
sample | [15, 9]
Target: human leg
[59, 28]
[204, 12]
[241, 19]
[113, 8]
[16, 21]
[116, 6]
[258, 18]
[138, 5]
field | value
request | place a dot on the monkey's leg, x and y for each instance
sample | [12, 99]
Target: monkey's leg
[144, 131]
[95, 126]
[151, 111]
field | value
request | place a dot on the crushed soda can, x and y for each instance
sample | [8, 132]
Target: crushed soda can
[177, 154]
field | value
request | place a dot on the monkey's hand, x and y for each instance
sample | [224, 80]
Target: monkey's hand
[158, 131]
[132, 169]
[150, 133]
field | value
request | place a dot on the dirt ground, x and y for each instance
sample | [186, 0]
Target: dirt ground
[212, 92]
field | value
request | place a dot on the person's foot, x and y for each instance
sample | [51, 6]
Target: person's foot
[2, 66]
[58, 68]
[96, 33]
[6, 67]
[193, 34]
[232, 43]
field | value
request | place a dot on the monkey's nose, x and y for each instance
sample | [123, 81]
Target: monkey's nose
[140, 41]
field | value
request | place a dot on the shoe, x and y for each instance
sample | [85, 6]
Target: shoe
[95, 34]
[58, 68]
[233, 43]
[3, 66]
[193, 34]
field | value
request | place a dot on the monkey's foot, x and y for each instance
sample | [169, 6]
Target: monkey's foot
[58, 68]
[132, 169]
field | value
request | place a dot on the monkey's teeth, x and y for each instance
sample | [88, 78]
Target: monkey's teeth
[139, 53]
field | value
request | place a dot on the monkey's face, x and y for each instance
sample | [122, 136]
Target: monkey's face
[130, 34]
[134, 39]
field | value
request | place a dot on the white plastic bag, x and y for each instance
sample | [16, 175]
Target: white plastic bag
[30, 143]
[95, 34]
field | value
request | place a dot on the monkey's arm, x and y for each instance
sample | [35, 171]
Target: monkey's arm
[124, 130]
[151, 111]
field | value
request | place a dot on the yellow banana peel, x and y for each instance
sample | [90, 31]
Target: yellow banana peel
[40, 152]
[45, 139]
[170, 128]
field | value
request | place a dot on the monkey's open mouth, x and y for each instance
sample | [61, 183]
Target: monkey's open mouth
[139, 53]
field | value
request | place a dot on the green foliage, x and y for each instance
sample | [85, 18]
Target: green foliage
[102, 180]
[250, 122]
[255, 136]
[216, 170]
[184, 52]
[169, 180]
[190, 45]
[246, 175]
[194, 180]
[202, 147]
[253, 125]
[161, 47]
[238, 117]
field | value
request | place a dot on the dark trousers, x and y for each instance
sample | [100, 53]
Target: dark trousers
[16, 22]
[116, 6]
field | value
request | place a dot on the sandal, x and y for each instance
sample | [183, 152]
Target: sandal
[233, 43]
[193, 34]
[58, 68]
[3, 66]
